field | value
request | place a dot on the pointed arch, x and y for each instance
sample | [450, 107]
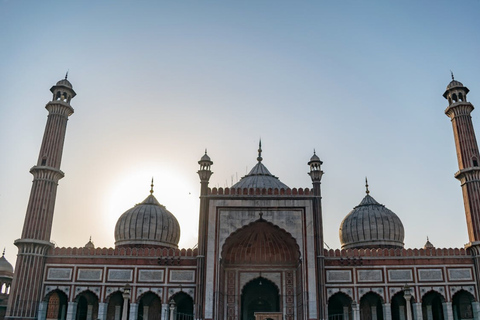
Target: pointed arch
[371, 306]
[57, 302]
[149, 306]
[259, 295]
[183, 304]
[462, 305]
[260, 242]
[114, 305]
[340, 306]
[432, 305]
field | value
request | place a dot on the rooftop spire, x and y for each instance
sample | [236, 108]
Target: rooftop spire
[366, 186]
[259, 158]
[451, 72]
[3, 254]
[66, 75]
[151, 187]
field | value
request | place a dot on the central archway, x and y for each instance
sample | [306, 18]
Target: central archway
[259, 295]
[255, 249]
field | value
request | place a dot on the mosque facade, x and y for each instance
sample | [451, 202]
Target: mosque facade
[260, 252]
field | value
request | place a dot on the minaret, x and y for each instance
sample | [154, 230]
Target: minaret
[467, 153]
[204, 173]
[316, 174]
[35, 241]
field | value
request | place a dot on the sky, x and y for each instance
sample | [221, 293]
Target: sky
[157, 82]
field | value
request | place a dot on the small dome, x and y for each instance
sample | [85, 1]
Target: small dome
[6, 268]
[89, 244]
[315, 158]
[205, 158]
[371, 225]
[428, 245]
[148, 224]
[454, 83]
[259, 177]
[64, 83]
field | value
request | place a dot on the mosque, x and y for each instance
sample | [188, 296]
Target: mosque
[260, 252]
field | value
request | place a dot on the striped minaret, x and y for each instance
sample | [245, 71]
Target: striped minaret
[467, 153]
[35, 242]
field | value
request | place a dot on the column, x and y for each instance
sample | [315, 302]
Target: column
[134, 311]
[476, 310]
[172, 311]
[72, 311]
[447, 308]
[417, 311]
[165, 311]
[356, 311]
[42, 310]
[409, 308]
[102, 311]
[387, 311]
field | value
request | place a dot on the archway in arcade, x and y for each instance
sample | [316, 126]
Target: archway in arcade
[432, 306]
[87, 306]
[56, 305]
[261, 247]
[259, 295]
[399, 306]
[149, 307]
[183, 305]
[340, 307]
[371, 307]
[115, 306]
[462, 305]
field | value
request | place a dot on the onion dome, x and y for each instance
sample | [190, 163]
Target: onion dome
[6, 269]
[371, 225]
[428, 245]
[89, 244]
[259, 177]
[148, 224]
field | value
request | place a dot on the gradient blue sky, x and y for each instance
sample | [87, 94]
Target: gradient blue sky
[158, 82]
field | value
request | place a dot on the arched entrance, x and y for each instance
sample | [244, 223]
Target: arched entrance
[371, 307]
[259, 295]
[56, 305]
[399, 306]
[115, 306]
[462, 305]
[260, 271]
[149, 307]
[432, 306]
[184, 306]
[87, 306]
[340, 307]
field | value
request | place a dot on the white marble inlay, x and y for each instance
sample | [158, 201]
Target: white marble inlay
[59, 274]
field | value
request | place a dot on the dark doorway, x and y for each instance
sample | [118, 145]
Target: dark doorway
[259, 295]
[184, 304]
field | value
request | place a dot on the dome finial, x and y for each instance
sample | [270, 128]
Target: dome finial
[366, 186]
[66, 75]
[3, 254]
[314, 152]
[451, 72]
[151, 187]
[259, 158]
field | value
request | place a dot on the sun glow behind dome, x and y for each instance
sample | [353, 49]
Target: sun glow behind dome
[171, 188]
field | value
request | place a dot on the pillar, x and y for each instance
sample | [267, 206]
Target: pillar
[42, 310]
[387, 311]
[448, 311]
[71, 311]
[417, 311]
[134, 311]
[165, 311]
[102, 311]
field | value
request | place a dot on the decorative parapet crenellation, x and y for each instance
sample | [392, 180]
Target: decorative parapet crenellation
[260, 192]
[350, 253]
[133, 252]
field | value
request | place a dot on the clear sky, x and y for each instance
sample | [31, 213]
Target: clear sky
[157, 82]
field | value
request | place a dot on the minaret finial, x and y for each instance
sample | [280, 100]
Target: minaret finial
[259, 158]
[66, 75]
[90, 239]
[451, 72]
[3, 254]
[205, 150]
[366, 186]
[151, 187]
[314, 152]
